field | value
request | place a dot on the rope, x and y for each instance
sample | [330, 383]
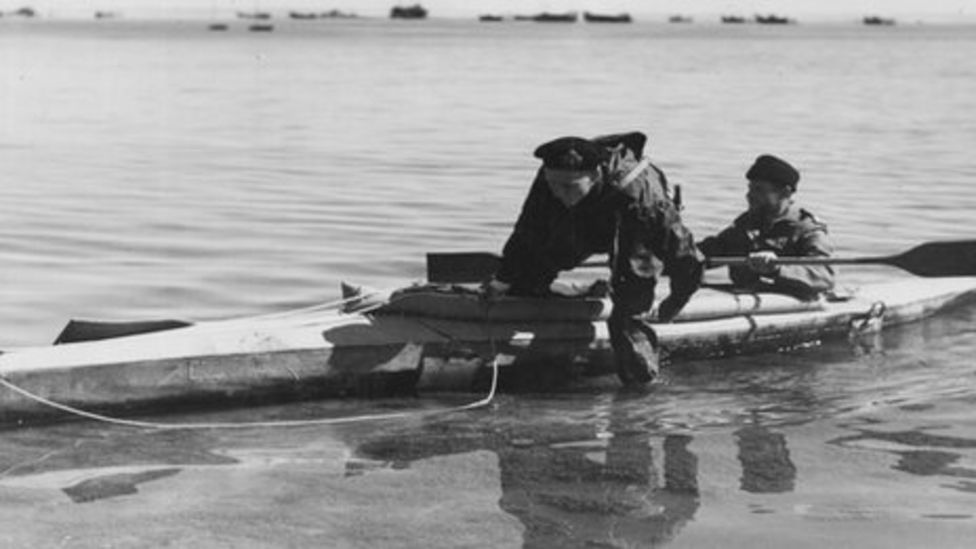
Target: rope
[253, 424]
[297, 313]
[265, 424]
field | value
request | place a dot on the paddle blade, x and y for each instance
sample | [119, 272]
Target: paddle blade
[954, 258]
[462, 267]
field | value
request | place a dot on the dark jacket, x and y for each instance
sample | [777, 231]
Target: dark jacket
[795, 233]
[617, 217]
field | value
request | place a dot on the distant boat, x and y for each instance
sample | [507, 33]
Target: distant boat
[490, 18]
[733, 19]
[260, 15]
[261, 27]
[600, 18]
[680, 19]
[876, 21]
[773, 20]
[336, 14]
[302, 15]
[415, 11]
[218, 26]
[26, 12]
[105, 15]
[546, 17]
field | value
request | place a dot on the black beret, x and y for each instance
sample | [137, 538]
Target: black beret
[769, 168]
[572, 153]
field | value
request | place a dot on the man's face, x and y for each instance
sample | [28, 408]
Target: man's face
[767, 198]
[571, 186]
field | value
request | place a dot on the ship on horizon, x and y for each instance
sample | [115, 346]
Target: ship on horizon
[604, 18]
[415, 11]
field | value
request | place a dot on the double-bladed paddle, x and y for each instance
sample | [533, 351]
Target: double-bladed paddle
[933, 259]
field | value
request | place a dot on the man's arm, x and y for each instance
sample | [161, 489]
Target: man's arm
[522, 255]
[808, 281]
[732, 240]
[656, 237]
[682, 262]
[654, 241]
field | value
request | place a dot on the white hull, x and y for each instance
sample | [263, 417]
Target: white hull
[327, 353]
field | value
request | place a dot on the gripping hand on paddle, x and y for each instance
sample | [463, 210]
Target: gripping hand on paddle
[763, 263]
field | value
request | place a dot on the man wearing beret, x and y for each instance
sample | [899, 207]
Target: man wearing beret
[603, 196]
[774, 226]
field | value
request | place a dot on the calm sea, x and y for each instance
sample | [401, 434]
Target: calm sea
[158, 169]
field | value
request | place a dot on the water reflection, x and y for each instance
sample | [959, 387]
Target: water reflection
[919, 452]
[90, 463]
[766, 464]
[575, 468]
[37, 451]
[119, 484]
[571, 484]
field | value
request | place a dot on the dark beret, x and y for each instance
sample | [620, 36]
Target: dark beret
[634, 141]
[769, 168]
[572, 153]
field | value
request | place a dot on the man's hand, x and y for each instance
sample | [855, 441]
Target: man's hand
[493, 288]
[763, 263]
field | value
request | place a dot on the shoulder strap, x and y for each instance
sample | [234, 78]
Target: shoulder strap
[673, 194]
[634, 173]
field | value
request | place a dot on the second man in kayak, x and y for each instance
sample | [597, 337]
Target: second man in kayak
[774, 226]
[602, 196]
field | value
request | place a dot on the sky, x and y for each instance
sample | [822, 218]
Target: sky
[946, 10]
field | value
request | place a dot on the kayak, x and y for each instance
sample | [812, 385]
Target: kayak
[423, 338]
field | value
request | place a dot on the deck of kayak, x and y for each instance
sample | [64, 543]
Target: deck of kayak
[423, 339]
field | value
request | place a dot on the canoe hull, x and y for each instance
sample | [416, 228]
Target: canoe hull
[395, 352]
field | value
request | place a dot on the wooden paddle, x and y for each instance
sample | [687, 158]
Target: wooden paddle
[933, 259]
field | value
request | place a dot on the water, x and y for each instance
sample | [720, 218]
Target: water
[156, 169]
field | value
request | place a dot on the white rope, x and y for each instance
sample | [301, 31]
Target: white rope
[297, 313]
[263, 424]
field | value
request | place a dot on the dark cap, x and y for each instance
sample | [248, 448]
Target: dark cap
[769, 168]
[571, 153]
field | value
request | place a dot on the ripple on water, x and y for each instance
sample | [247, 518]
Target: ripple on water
[182, 174]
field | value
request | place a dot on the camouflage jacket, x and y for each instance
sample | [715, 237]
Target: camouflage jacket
[795, 233]
[628, 210]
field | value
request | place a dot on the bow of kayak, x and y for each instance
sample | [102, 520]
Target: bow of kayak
[421, 338]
